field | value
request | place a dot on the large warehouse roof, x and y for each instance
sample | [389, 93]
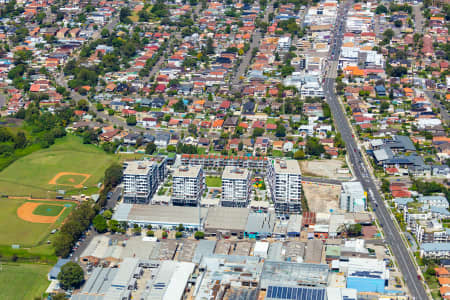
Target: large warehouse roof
[158, 214]
[227, 218]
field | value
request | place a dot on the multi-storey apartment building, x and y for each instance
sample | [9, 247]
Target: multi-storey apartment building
[221, 161]
[236, 187]
[188, 185]
[285, 181]
[140, 180]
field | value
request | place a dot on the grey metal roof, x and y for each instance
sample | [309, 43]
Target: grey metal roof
[227, 218]
[125, 272]
[204, 248]
[295, 223]
[122, 212]
[166, 215]
[288, 273]
[403, 201]
[260, 222]
[53, 274]
[381, 154]
[275, 252]
[313, 253]
[428, 247]
[405, 142]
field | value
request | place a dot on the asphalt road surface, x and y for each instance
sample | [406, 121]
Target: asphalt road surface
[236, 82]
[114, 198]
[2, 100]
[442, 110]
[392, 236]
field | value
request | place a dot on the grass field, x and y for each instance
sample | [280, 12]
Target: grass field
[213, 181]
[30, 175]
[48, 210]
[17, 231]
[23, 281]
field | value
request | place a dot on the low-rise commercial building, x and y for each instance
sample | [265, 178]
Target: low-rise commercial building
[159, 216]
[367, 275]
[435, 250]
[293, 274]
[259, 225]
[353, 197]
[226, 221]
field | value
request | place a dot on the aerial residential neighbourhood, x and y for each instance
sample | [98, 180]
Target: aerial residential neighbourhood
[221, 150]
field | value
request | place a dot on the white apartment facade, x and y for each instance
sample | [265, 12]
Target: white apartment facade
[353, 197]
[236, 187]
[285, 180]
[140, 180]
[188, 186]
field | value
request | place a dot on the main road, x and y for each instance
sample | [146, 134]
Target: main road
[392, 236]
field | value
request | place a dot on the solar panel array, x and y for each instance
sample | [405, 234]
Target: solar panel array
[369, 274]
[292, 293]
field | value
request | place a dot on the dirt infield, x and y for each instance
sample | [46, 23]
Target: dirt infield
[79, 185]
[25, 212]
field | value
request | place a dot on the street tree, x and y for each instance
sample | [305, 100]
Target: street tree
[71, 276]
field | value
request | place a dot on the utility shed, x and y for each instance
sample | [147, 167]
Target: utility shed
[261, 249]
[313, 253]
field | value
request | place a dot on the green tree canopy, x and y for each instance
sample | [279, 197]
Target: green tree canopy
[71, 276]
[150, 148]
[100, 224]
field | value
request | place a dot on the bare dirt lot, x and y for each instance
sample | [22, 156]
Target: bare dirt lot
[322, 197]
[324, 168]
